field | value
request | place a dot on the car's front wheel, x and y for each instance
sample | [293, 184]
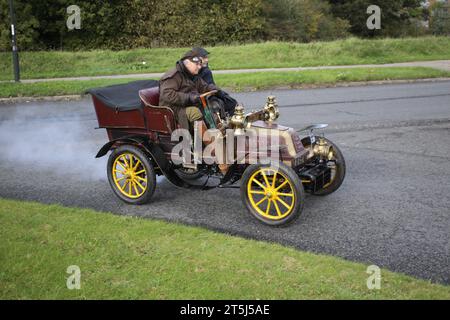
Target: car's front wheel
[335, 162]
[272, 194]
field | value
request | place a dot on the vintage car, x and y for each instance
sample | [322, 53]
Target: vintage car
[141, 138]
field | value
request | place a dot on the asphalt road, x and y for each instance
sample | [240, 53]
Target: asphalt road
[393, 209]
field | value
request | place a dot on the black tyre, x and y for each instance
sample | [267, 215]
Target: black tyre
[189, 174]
[338, 169]
[272, 194]
[131, 175]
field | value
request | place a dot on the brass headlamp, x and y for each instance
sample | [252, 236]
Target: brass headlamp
[323, 149]
[271, 112]
[238, 120]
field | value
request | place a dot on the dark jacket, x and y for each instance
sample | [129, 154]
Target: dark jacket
[207, 76]
[228, 103]
[178, 88]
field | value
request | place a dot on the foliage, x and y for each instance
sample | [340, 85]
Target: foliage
[125, 24]
[440, 18]
[398, 18]
[302, 20]
[132, 23]
[27, 26]
[184, 23]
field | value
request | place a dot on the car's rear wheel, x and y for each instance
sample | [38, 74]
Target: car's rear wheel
[131, 174]
[272, 194]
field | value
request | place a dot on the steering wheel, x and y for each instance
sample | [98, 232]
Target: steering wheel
[205, 95]
[209, 93]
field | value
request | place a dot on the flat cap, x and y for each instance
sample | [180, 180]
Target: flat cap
[190, 55]
[201, 51]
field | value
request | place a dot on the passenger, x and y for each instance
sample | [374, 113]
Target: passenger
[205, 73]
[228, 103]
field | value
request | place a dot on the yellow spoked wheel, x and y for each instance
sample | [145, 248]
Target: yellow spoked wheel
[274, 195]
[131, 175]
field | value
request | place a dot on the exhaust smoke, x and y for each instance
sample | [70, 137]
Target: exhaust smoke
[60, 142]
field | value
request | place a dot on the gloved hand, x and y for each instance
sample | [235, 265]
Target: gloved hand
[194, 98]
[221, 94]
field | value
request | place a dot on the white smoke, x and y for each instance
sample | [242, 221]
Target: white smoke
[62, 144]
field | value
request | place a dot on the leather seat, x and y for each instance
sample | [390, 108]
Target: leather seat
[159, 118]
[150, 96]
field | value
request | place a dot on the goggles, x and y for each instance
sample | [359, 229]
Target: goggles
[196, 60]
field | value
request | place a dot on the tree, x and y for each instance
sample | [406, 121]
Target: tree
[180, 23]
[302, 20]
[123, 24]
[27, 26]
[396, 16]
[440, 18]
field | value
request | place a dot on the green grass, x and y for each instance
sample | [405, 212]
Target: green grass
[265, 80]
[236, 82]
[132, 258]
[261, 55]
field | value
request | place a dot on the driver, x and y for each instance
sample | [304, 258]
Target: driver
[180, 89]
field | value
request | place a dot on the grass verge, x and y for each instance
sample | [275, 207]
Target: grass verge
[132, 258]
[51, 64]
[236, 82]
